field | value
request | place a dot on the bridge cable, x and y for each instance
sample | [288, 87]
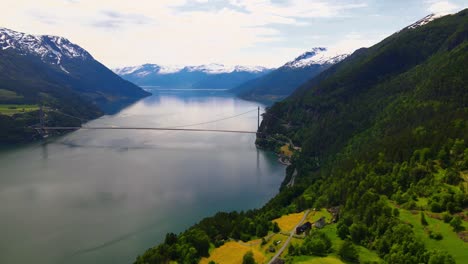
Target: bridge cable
[212, 121]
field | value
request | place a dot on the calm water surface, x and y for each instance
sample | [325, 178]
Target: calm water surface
[106, 196]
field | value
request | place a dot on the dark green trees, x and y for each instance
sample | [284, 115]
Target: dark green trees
[317, 243]
[423, 219]
[456, 223]
[248, 258]
[348, 252]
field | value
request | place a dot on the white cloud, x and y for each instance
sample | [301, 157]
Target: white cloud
[442, 7]
[353, 41]
[120, 33]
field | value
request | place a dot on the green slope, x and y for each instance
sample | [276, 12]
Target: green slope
[388, 125]
[379, 125]
[450, 241]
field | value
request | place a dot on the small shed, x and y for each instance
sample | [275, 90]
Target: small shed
[320, 223]
[272, 249]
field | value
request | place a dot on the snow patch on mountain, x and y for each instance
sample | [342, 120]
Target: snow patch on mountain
[64, 70]
[127, 70]
[170, 69]
[50, 49]
[316, 56]
[424, 20]
[213, 68]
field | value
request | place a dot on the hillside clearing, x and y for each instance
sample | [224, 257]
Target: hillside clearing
[232, 253]
[11, 109]
[287, 222]
[450, 242]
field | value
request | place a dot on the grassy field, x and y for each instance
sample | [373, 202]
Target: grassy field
[287, 222]
[272, 243]
[450, 242]
[317, 260]
[286, 151]
[232, 253]
[9, 95]
[316, 215]
[464, 175]
[11, 109]
[364, 253]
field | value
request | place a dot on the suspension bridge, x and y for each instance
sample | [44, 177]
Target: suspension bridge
[43, 129]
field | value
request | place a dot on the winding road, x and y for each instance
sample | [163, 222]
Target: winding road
[291, 234]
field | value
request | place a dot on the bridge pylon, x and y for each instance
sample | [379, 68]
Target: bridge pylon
[258, 118]
[42, 131]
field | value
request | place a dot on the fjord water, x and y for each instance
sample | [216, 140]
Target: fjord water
[99, 196]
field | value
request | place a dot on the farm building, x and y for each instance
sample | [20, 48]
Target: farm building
[303, 228]
[320, 223]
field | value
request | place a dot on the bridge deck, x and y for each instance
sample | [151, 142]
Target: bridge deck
[149, 128]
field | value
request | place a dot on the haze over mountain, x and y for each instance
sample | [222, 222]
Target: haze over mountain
[281, 82]
[210, 76]
[61, 75]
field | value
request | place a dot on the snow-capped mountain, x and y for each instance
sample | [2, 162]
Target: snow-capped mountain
[213, 68]
[145, 69]
[281, 82]
[316, 56]
[51, 49]
[212, 76]
[57, 67]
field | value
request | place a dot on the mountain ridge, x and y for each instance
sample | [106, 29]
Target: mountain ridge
[212, 68]
[281, 82]
[213, 76]
[58, 74]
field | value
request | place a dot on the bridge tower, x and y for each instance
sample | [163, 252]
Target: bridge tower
[42, 130]
[258, 118]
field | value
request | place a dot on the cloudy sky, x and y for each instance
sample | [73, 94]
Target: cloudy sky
[191, 32]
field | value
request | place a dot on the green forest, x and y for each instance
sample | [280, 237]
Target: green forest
[384, 136]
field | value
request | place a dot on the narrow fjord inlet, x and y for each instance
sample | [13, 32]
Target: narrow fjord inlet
[103, 196]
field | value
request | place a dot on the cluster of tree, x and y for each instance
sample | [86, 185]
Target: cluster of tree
[59, 103]
[194, 243]
[248, 258]
[317, 244]
[366, 216]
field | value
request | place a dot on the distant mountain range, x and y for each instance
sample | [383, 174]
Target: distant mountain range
[59, 74]
[281, 82]
[210, 76]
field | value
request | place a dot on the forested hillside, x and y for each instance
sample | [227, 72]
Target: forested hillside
[383, 136]
[58, 74]
[386, 126]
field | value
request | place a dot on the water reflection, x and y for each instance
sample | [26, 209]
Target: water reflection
[105, 196]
